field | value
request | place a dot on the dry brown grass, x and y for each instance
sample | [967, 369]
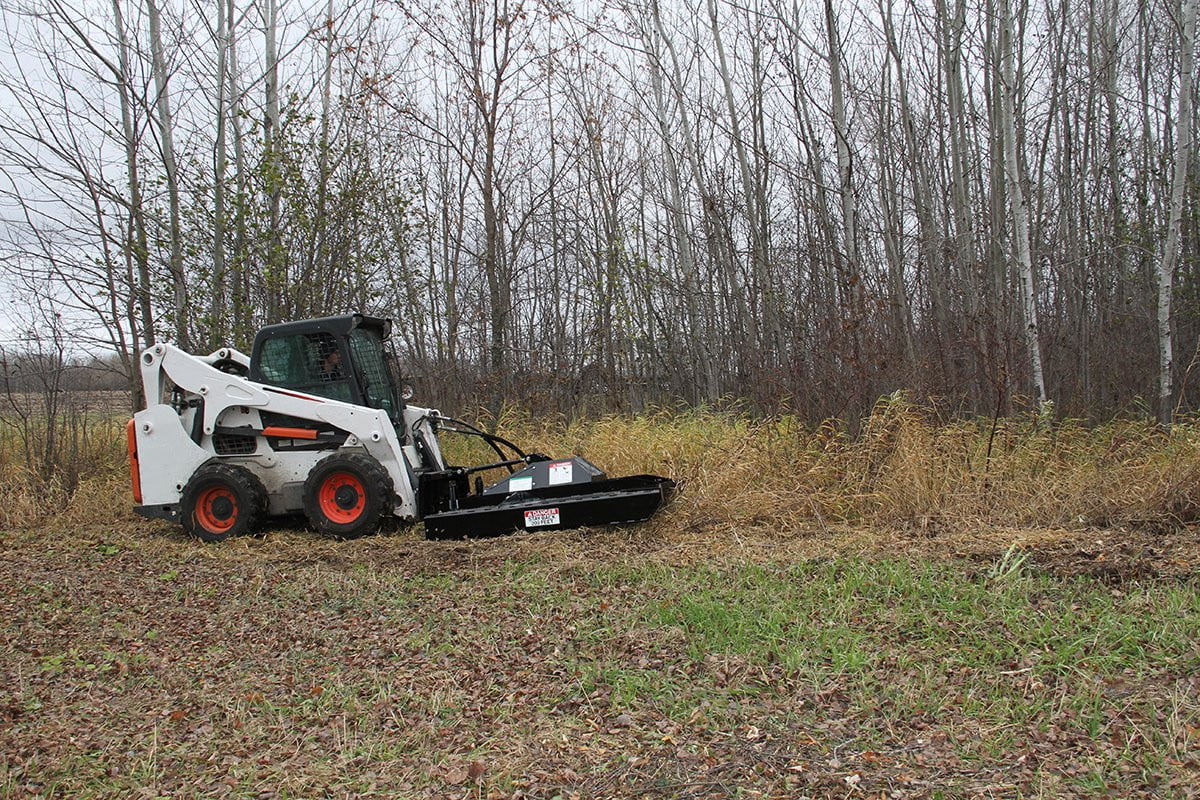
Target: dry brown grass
[46, 461]
[906, 469]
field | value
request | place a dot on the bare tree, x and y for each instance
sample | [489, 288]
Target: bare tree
[1171, 248]
[613, 205]
[1010, 90]
[166, 139]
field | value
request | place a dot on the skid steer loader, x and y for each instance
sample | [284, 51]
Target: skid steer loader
[314, 422]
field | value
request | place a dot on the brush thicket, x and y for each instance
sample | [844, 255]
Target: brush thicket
[44, 466]
[904, 468]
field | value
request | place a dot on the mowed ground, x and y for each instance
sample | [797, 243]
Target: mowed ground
[649, 661]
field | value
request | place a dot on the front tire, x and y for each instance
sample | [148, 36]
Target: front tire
[222, 501]
[347, 495]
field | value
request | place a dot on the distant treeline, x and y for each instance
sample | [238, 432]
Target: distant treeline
[25, 373]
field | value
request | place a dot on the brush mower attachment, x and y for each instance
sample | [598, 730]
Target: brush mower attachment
[543, 506]
[545, 494]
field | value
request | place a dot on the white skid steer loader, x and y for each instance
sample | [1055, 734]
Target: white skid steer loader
[313, 422]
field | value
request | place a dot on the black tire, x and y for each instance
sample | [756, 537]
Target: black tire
[347, 495]
[222, 501]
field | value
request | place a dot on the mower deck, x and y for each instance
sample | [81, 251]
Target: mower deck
[604, 502]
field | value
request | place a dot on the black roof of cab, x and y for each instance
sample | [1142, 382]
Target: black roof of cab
[338, 326]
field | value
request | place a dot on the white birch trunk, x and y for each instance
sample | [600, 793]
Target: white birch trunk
[1019, 201]
[217, 325]
[1166, 267]
[842, 135]
[137, 249]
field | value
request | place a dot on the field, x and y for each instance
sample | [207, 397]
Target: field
[785, 646]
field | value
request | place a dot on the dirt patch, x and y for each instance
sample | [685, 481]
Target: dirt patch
[1122, 556]
[1113, 555]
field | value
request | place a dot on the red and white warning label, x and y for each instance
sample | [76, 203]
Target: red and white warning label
[541, 516]
[560, 472]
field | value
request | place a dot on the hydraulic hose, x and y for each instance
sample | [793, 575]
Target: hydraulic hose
[492, 439]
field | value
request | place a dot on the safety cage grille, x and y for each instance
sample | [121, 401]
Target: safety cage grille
[233, 444]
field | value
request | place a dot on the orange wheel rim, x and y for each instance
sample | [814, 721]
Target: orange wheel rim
[216, 509]
[342, 497]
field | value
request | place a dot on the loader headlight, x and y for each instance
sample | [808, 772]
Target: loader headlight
[406, 393]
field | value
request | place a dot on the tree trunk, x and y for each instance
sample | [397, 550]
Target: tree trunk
[750, 197]
[1171, 248]
[138, 247]
[217, 322]
[1019, 201]
[275, 277]
[162, 103]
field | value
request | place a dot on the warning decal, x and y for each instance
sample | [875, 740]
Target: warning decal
[522, 483]
[541, 516]
[560, 472]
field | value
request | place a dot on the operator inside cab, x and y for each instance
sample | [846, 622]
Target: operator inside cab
[330, 368]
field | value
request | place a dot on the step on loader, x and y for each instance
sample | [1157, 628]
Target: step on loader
[315, 422]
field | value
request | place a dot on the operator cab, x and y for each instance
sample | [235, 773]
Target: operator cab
[343, 358]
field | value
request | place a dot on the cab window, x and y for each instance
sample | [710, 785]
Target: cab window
[366, 348]
[311, 363]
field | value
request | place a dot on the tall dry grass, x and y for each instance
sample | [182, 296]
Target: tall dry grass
[904, 468]
[45, 466]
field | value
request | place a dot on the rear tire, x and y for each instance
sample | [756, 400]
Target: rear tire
[347, 495]
[222, 501]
